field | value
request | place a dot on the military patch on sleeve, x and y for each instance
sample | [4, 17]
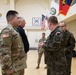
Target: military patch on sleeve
[5, 35]
[57, 37]
[57, 33]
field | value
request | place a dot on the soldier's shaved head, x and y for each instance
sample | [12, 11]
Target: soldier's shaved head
[52, 22]
[11, 14]
[53, 19]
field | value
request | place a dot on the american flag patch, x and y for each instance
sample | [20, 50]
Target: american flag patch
[5, 35]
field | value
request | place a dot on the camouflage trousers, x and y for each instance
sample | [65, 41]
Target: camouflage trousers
[40, 53]
[21, 72]
[69, 60]
[26, 59]
[53, 70]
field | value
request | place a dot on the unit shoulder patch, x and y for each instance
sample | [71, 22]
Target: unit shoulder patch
[58, 33]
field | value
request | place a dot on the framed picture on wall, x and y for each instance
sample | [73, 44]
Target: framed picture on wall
[36, 21]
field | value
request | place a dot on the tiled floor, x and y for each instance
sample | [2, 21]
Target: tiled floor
[32, 63]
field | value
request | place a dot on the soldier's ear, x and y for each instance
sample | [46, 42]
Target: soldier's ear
[11, 19]
[19, 21]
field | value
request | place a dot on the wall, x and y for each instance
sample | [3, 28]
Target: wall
[72, 27]
[3, 9]
[31, 8]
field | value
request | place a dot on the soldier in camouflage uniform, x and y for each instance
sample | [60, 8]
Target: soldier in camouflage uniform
[11, 47]
[69, 46]
[54, 49]
[40, 49]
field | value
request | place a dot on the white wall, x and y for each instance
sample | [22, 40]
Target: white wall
[72, 27]
[3, 9]
[31, 8]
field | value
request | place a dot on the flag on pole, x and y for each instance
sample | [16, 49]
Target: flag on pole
[74, 2]
[43, 22]
[64, 6]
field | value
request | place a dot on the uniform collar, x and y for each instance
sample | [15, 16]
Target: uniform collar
[55, 29]
[9, 25]
[20, 26]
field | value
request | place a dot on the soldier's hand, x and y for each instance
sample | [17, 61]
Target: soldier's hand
[41, 44]
[10, 71]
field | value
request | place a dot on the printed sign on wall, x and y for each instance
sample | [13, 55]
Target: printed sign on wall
[36, 21]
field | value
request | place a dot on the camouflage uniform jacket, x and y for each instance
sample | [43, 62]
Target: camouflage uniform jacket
[70, 42]
[11, 50]
[42, 40]
[54, 48]
[40, 49]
